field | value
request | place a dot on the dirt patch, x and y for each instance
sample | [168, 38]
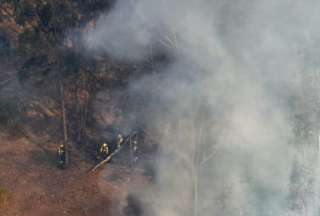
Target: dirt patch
[4, 197]
[37, 187]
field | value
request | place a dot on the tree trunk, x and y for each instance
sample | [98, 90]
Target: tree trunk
[64, 120]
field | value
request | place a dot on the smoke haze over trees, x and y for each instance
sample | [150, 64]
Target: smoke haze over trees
[229, 90]
[226, 106]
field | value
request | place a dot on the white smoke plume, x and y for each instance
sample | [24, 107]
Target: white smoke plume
[222, 107]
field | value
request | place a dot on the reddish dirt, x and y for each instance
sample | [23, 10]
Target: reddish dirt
[28, 171]
[38, 188]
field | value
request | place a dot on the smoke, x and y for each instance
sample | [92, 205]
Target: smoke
[223, 109]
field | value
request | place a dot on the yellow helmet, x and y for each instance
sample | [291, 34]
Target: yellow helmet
[61, 146]
[104, 145]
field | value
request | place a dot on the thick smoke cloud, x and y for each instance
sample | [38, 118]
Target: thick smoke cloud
[222, 110]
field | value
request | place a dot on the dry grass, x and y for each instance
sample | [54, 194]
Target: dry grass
[4, 197]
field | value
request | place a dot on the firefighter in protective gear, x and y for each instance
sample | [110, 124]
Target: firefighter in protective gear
[120, 140]
[135, 148]
[61, 156]
[103, 151]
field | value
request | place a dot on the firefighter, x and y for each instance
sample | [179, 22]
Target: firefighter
[135, 148]
[103, 151]
[120, 140]
[61, 156]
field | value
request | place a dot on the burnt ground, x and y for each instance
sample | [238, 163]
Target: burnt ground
[30, 182]
[34, 186]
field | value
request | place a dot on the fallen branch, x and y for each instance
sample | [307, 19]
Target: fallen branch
[126, 140]
[205, 160]
[106, 160]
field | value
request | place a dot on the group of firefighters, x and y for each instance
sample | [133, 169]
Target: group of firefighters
[104, 150]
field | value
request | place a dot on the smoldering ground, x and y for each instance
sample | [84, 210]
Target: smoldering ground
[224, 110]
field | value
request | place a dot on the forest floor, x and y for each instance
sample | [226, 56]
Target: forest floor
[31, 184]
